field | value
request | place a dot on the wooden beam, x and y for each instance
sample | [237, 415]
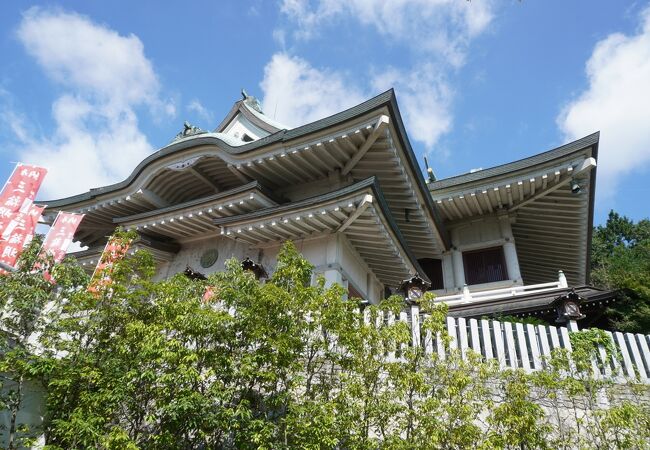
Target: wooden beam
[379, 127]
[243, 178]
[204, 179]
[585, 165]
[153, 198]
[367, 201]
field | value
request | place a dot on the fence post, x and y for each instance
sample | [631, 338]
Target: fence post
[390, 323]
[534, 346]
[636, 357]
[476, 340]
[462, 336]
[510, 345]
[628, 368]
[523, 348]
[415, 325]
[487, 342]
[498, 341]
[451, 329]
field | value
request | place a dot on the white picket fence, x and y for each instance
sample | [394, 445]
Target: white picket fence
[525, 346]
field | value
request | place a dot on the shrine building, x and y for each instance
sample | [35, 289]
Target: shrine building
[349, 191]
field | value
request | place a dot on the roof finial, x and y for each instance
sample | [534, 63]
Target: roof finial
[430, 176]
[251, 101]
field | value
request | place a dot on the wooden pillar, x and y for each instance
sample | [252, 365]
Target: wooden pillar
[448, 271]
[457, 260]
[509, 249]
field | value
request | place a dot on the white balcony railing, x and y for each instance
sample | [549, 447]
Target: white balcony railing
[467, 296]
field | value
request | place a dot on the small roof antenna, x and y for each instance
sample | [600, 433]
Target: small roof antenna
[430, 176]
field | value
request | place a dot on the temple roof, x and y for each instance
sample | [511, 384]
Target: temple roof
[250, 108]
[549, 198]
[527, 304]
[359, 211]
[522, 164]
[368, 139]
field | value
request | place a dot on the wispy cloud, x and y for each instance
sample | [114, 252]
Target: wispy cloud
[440, 27]
[616, 102]
[104, 77]
[436, 31]
[201, 111]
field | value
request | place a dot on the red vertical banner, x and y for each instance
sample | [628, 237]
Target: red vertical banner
[19, 192]
[60, 236]
[114, 251]
[18, 233]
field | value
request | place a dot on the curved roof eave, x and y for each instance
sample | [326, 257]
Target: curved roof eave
[214, 139]
[540, 158]
[386, 99]
[259, 120]
[371, 183]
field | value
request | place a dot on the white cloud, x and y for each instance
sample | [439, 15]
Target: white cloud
[437, 33]
[616, 102]
[104, 76]
[440, 27]
[197, 107]
[424, 97]
[296, 93]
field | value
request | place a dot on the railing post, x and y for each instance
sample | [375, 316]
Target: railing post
[467, 296]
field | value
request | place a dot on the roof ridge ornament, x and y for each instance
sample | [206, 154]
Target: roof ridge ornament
[251, 101]
[188, 130]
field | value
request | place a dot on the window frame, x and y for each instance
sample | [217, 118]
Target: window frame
[502, 258]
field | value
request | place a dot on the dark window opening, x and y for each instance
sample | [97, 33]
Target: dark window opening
[247, 138]
[485, 266]
[433, 269]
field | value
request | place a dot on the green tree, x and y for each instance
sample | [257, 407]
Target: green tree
[621, 261]
[25, 297]
[288, 363]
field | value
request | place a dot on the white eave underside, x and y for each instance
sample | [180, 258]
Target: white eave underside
[551, 226]
[356, 216]
[362, 150]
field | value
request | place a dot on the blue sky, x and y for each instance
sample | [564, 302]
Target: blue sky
[88, 89]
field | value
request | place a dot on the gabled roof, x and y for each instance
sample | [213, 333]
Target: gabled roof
[250, 112]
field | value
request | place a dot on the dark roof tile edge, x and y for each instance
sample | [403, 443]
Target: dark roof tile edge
[540, 158]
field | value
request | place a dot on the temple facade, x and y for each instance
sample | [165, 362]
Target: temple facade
[350, 193]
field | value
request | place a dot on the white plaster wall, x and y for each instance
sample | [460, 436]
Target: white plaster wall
[241, 125]
[190, 255]
[479, 232]
[357, 271]
[314, 250]
[327, 253]
[491, 231]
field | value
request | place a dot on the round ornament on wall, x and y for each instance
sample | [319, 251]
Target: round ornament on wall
[209, 257]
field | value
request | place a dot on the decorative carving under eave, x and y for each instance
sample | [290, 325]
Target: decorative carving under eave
[194, 275]
[257, 269]
[188, 130]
